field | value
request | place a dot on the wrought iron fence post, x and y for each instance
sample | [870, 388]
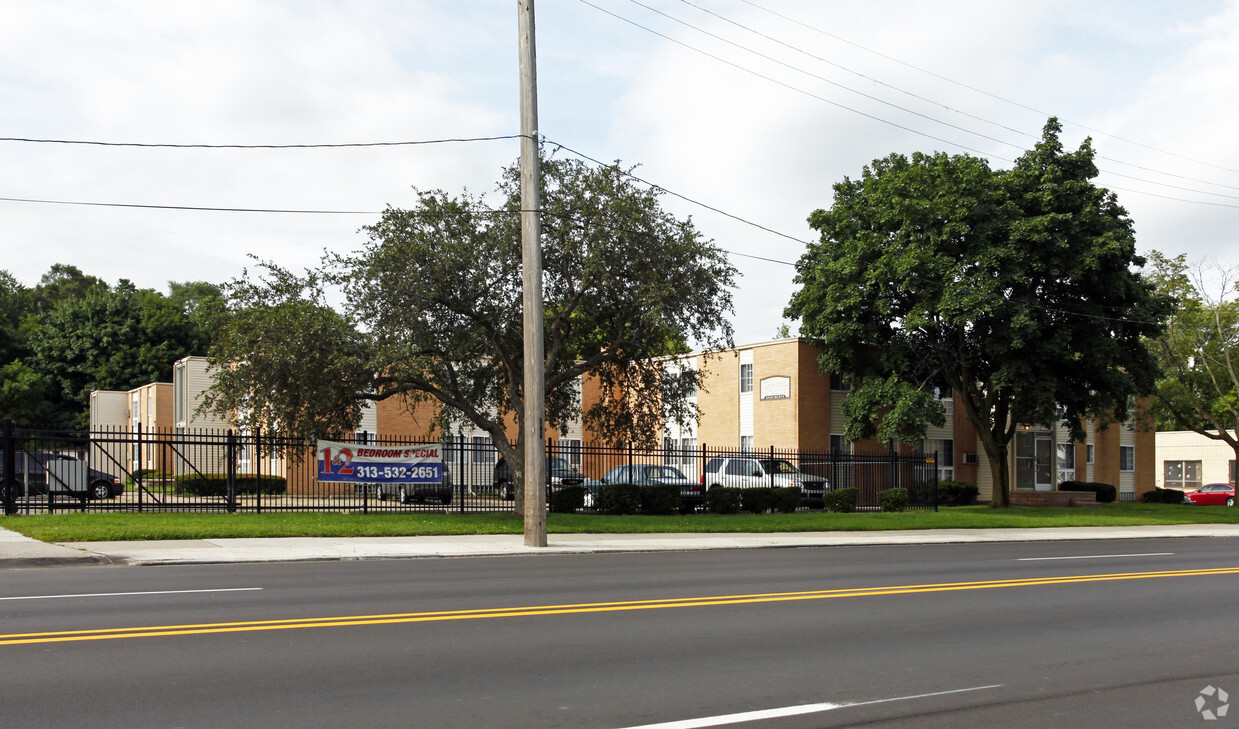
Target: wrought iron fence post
[258, 470]
[231, 455]
[8, 488]
[137, 472]
[770, 466]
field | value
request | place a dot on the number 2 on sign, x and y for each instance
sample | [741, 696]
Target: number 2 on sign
[343, 459]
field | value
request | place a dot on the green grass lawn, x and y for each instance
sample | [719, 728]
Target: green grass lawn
[133, 527]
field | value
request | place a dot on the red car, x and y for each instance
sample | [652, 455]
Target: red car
[1212, 494]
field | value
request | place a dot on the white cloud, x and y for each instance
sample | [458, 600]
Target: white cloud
[316, 71]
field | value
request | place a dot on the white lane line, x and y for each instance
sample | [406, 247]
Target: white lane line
[709, 721]
[1094, 556]
[128, 594]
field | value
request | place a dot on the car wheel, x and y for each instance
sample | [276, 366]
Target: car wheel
[589, 500]
[1230, 500]
[380, 494]
[101, 490]
[404, 495]
[445, 499]
[506, 491]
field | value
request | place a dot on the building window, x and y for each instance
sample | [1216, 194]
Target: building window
[944, 393]
[746, 443]
[688, 452]
[746, 378]
[1088, 454]
[364, 437]
[570, 451]
[453, 448]
[838, 383]
[945, 448]
[670, 458]
[1182, 475]
[1066, 462]
[839, 444]
[483, 451]
[1127, 458]
[1233, 474]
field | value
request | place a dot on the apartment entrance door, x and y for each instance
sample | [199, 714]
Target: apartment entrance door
[1034, 460]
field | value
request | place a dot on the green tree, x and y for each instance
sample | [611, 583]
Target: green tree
[1199, 351]
[109, 339]
[1016, 288]
[431, 310]
[23, 390]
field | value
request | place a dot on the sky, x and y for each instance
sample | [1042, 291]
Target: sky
[748, 110]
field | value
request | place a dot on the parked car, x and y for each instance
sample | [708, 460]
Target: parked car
[691, 492]
[409, 493]
[1211, 494]
[752, 472]
[558, 473]
[32, 477]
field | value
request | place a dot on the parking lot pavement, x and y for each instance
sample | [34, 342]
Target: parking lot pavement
[17, 550]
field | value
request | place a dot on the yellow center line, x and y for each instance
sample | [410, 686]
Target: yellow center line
[599, 607]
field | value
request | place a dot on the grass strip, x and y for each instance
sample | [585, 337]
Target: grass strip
[115, 527]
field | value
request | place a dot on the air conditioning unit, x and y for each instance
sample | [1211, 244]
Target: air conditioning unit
[970, 458]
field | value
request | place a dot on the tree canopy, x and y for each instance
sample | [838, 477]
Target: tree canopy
[73, 333]
[431, 310]
[1199, 351]
[1017, 288]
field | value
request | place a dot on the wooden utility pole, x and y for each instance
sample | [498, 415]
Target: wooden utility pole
[531, 266]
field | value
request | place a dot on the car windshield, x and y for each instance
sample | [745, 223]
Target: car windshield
[778, 465]
[662, 472]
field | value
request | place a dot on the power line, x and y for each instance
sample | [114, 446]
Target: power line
[817, 76]
[186, 207]
[673, 193]
[882, 101]
[258, 146]
[791, 87]
[932, 101]
[982, 91]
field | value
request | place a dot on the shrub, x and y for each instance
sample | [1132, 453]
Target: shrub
[721, 500]
[895, 499]
[842, 501]
[216, 484]
[757, 500]
[786, 500]
[957, 493]
[144, 474]
[660, 499]
[567, 499]
[618, 499]
[1162, 496]
[1105, 492]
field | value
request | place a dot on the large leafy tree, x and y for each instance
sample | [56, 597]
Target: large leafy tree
[1017, 288]
[431, 311]
[99, 337]
[1199, 351]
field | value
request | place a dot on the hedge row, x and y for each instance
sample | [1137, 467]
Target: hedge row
[1105, 492]
[957, 493]
[215, 484]
[1162, 496]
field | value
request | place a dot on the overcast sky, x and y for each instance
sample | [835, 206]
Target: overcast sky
[754, 108]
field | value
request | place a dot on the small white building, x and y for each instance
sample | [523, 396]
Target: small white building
[1186, 459]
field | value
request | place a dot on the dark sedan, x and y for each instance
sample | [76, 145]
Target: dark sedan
[691, 492]
[35, 467]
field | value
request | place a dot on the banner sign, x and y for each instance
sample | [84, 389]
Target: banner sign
[352, 463]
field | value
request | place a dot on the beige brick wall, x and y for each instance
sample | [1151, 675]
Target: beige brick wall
[777, 422]
[719, 401]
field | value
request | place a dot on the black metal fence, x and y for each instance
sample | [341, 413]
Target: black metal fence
[138, 470]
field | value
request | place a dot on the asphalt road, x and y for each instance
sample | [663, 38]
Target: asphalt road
[1080, 634]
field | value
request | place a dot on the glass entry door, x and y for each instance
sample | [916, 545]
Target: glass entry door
[1034, 461]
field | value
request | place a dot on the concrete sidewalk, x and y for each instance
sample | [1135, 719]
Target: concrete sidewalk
[20, 551]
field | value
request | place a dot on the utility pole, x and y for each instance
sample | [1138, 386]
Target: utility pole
[531, 267]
